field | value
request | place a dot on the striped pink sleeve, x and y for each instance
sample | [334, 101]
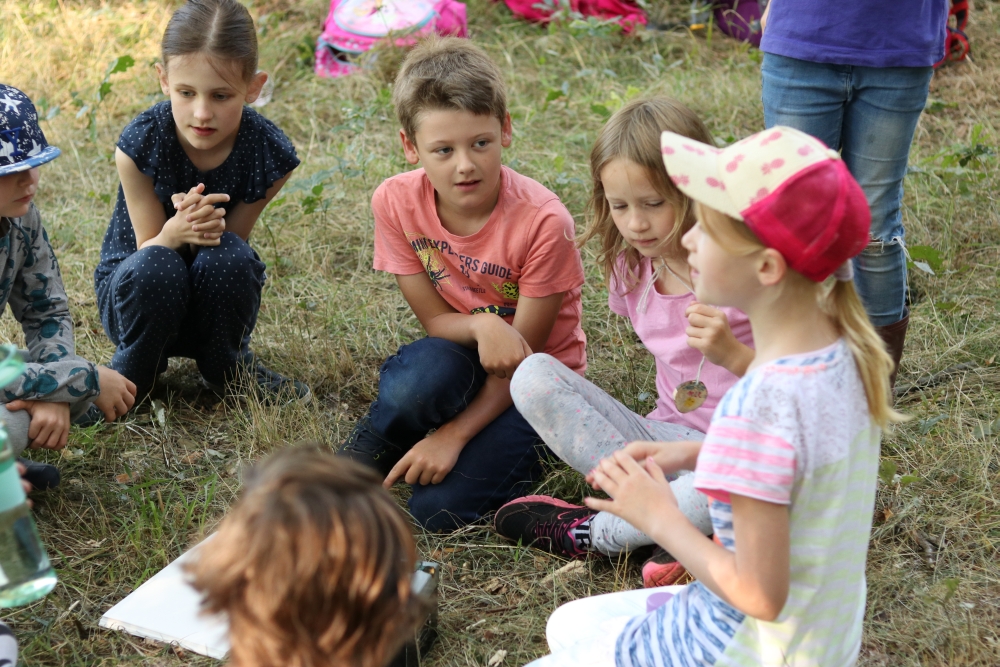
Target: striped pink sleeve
[738, 456]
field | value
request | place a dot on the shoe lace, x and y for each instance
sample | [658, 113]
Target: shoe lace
[558, 534]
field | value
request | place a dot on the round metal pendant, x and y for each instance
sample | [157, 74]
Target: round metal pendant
[690, 395]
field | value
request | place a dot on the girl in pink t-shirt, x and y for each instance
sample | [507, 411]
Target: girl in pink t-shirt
[639, 216]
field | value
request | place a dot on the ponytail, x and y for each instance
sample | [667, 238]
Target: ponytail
[844, 307]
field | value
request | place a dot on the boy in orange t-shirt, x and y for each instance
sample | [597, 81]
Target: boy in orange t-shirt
[485, 258]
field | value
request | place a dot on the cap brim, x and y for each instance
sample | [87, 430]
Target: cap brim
[47, 154]
[694, 169]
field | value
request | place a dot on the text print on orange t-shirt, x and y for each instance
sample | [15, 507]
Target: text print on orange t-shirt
[431, 252]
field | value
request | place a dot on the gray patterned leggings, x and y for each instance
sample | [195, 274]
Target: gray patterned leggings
[583, 424]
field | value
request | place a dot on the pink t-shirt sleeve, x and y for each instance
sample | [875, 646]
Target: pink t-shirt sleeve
[740, 456]
[553, 263]
[393, 252]
[616, 302]
[616, 296]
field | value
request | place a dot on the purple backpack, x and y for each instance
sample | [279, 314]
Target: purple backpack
[740, 19]
[354, 26]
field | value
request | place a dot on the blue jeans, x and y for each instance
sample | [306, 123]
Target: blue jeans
[426, 384]
[158, 303]
[869, 114]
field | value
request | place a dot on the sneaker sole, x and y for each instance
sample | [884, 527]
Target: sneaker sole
[548, 500]
[662, 575]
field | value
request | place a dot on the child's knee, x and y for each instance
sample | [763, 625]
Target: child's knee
[232, 263]
[435, 510]
[17, 424]
[429, 372]
[152, 269]
[533, 376]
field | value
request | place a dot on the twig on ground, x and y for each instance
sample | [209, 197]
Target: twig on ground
[569, 568]
[933, 379]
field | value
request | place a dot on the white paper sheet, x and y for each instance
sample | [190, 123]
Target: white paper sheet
[165, 608]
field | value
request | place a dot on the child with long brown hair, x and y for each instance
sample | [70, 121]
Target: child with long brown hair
[312, 566]
[639, 217]
[177, 276]
[790, 459]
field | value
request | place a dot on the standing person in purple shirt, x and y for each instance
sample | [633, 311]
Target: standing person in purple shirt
[856, 77]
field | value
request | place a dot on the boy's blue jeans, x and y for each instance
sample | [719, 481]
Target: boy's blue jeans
[870, 114]
[427, 383]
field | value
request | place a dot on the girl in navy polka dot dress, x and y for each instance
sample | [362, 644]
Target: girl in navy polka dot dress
[177, 276]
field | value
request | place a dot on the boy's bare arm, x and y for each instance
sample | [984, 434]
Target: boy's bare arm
[501, 347]
[432, 458]
[534, 320]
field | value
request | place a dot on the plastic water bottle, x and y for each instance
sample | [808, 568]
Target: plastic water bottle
[25, 572]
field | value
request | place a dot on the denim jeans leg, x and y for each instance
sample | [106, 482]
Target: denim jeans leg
[810, 97]
[881, 119]
[425, 384]
[499, 464]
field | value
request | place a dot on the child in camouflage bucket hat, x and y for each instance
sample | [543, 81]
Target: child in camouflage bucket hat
[57, 386]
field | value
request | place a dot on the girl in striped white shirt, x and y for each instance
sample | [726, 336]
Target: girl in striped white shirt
[790, 459]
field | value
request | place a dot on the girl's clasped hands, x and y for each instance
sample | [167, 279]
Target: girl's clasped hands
[198, 221]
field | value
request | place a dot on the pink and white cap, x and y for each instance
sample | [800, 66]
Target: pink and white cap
[792, 191]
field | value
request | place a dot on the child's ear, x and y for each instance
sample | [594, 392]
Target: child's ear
[506, 131]
[256, 85]
[771, 268]
[161, 73]
[409, 148]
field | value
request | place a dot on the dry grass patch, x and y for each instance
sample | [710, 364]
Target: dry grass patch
[327, 318]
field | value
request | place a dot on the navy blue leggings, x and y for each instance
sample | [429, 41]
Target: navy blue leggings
[159, 304]
[424, 385]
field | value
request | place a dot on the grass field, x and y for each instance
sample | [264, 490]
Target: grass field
[137, 494]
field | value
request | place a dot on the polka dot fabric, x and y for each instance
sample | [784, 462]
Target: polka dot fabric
[156, 303]
[261, 155]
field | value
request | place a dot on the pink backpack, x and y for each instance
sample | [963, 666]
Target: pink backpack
[628, 13]
[354, 26]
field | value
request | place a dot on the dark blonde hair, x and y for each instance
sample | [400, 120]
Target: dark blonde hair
[633, 134]
[221, 29]
[312, 566]
[447, 73]
[841, 303]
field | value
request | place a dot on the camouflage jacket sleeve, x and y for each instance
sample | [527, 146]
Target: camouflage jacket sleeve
[33, 287]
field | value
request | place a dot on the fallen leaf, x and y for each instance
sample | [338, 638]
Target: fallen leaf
[497, 658]
[159, 412]
[192, 457]
[495, 586]
[217, 454]
[125, 478]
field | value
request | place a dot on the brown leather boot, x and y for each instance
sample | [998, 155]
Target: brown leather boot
[894, 336]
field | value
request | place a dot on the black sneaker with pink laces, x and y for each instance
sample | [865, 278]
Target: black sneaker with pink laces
[546, 523]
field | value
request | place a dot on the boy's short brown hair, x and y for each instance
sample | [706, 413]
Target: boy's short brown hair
[447, 73]
[312, 566]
